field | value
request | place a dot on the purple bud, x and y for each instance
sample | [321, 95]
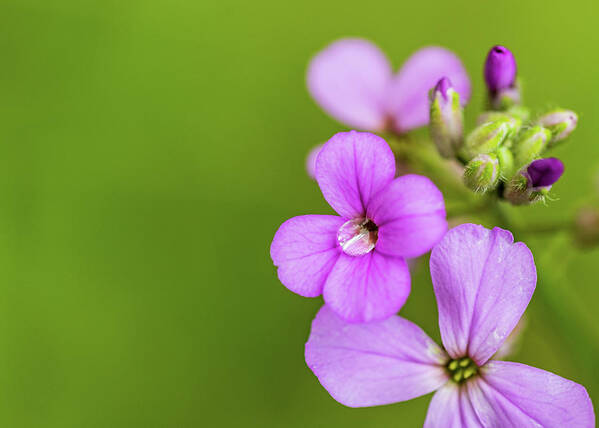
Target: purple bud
[500, 69]
[545, 172]
[446, 118]
[443, 86]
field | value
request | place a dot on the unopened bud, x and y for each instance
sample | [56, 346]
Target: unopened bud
[520, 112]
[506, 163]
[560, 122]
[446, 118]
[506, 99]
[517, 190]
[545, 172]
[492, 116]
[487, 137]
[530, 145]
[500, 69]
[482, 173]
[533, 183]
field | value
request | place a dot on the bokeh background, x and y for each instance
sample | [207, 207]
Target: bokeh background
[149, 151]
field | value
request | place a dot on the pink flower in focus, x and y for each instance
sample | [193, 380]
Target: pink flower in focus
[483, 283]
[357, 260]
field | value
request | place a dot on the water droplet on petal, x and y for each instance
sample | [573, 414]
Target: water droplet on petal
[357, 236]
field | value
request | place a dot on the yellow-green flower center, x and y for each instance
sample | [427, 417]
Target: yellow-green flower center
[461, 369]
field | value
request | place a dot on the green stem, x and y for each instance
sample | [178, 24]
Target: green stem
[421, 155]
[465, 209]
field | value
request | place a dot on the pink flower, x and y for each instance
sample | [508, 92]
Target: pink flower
[483, 283]
[357, 259]
[352, 80]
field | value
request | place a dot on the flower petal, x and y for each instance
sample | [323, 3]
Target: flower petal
[483, 283]
[351, 168]
[517, 395]
[407, 99]
[451, 408]
[348, 79]
[375, 363]
[305, 250]
[410, 215]
[311, 160]
[511, 343]
[367, 288]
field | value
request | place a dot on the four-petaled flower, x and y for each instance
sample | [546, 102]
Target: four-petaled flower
[357, 259]
[483, 283]
[353, 81]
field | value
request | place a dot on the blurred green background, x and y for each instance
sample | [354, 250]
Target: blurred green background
[151, 148]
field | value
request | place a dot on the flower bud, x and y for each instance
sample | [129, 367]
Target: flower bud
[505, 99]
[530, 145]
[533, 183]
[487, 137]
[506, 162]
[492, 116]
[560, 122]
[500, 69]
[446, 118]
[482, 173]
[519, 112]
[517, 190]
[544, 172]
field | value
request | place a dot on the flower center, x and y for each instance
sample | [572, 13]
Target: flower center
[461, 369]
[357, 236]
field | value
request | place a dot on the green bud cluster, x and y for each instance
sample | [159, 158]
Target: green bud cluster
[489, 136]
[502, 145]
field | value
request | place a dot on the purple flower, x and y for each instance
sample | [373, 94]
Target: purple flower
[483, 283]
[500, 69]
[353, 81]
[357, 259]
[544, 172]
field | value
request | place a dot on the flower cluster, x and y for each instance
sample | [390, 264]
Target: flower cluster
[360, 350]
[503, 154]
